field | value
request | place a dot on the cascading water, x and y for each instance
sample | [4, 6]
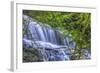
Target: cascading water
[50, 42]
[47, 41]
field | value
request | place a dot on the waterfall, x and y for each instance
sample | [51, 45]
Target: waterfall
[50, 41]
